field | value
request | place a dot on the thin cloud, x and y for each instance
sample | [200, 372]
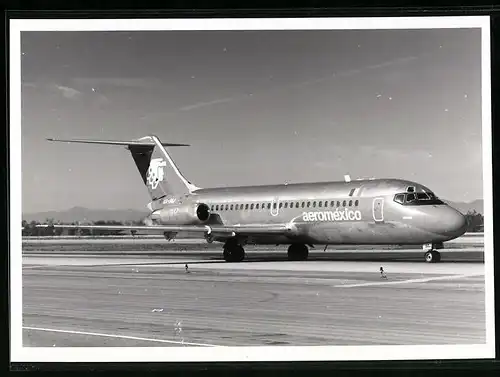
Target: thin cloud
[332, 76]
[96, 82]
[204, 104]
[392, 62]
[68, 92]
[394, 153]
[116, 81]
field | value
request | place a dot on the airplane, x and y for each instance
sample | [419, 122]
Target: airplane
[300, 215]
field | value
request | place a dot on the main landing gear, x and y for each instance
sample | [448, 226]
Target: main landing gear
[431, 254]
[233, 251]
[298, 252]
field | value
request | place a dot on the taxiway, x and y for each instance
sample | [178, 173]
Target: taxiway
[136, 298]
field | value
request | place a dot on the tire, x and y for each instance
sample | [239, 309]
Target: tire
[432, 256]
[438, 256]
[298, 253]
[234, 253]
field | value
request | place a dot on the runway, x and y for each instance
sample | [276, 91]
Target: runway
[82, 298]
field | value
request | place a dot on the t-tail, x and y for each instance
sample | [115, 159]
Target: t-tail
[158, 170]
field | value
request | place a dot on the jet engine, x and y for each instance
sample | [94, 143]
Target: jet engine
[184, 214]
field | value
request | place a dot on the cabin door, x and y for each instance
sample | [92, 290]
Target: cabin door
[275, 206]
[378, 209]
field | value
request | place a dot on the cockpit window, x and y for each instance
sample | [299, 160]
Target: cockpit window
[410, 189]
[422, 196]
[418, 198]
[399, 198]
[410, 198]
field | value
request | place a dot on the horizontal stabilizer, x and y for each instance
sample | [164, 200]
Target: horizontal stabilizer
[158, 170]
[144, 141]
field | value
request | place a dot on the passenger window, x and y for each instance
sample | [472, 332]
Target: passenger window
[231, 208]
[356, 203]
[217, 207]
[257, 206]
[338, 203]
[350, 203]
[286, 205]
[246, 206]
[268, 205]
[303, 204]
[281, 205]
[251, 206]
[320, 204]
[211, 208]
[344, 203]
[227, 207]
[314, 204]
[274, 206]
[332, 203]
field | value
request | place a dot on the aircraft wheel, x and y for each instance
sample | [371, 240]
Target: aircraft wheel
[298, 252]
[438, 256]
[432, 256]
[234, 253]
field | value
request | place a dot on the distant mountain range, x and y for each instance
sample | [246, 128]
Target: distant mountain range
[476, 205]
[86, 214]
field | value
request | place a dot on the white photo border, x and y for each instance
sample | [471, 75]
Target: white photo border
[259, 353]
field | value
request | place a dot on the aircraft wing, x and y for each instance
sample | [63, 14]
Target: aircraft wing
[221, 230]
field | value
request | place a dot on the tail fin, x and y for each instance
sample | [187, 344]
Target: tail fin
[157, 169]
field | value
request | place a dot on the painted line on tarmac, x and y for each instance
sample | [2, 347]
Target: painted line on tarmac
[409, 281]
[119, 336]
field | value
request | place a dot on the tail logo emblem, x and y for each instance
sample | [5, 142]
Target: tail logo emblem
[155, 172]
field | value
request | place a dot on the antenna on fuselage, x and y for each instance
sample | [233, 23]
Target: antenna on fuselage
[347, 178]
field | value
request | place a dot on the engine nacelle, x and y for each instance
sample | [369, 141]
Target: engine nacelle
[184, 214]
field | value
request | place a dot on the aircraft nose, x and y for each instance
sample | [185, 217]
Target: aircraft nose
[454, 223]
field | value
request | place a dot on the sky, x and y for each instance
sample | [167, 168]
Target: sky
[257, 107]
